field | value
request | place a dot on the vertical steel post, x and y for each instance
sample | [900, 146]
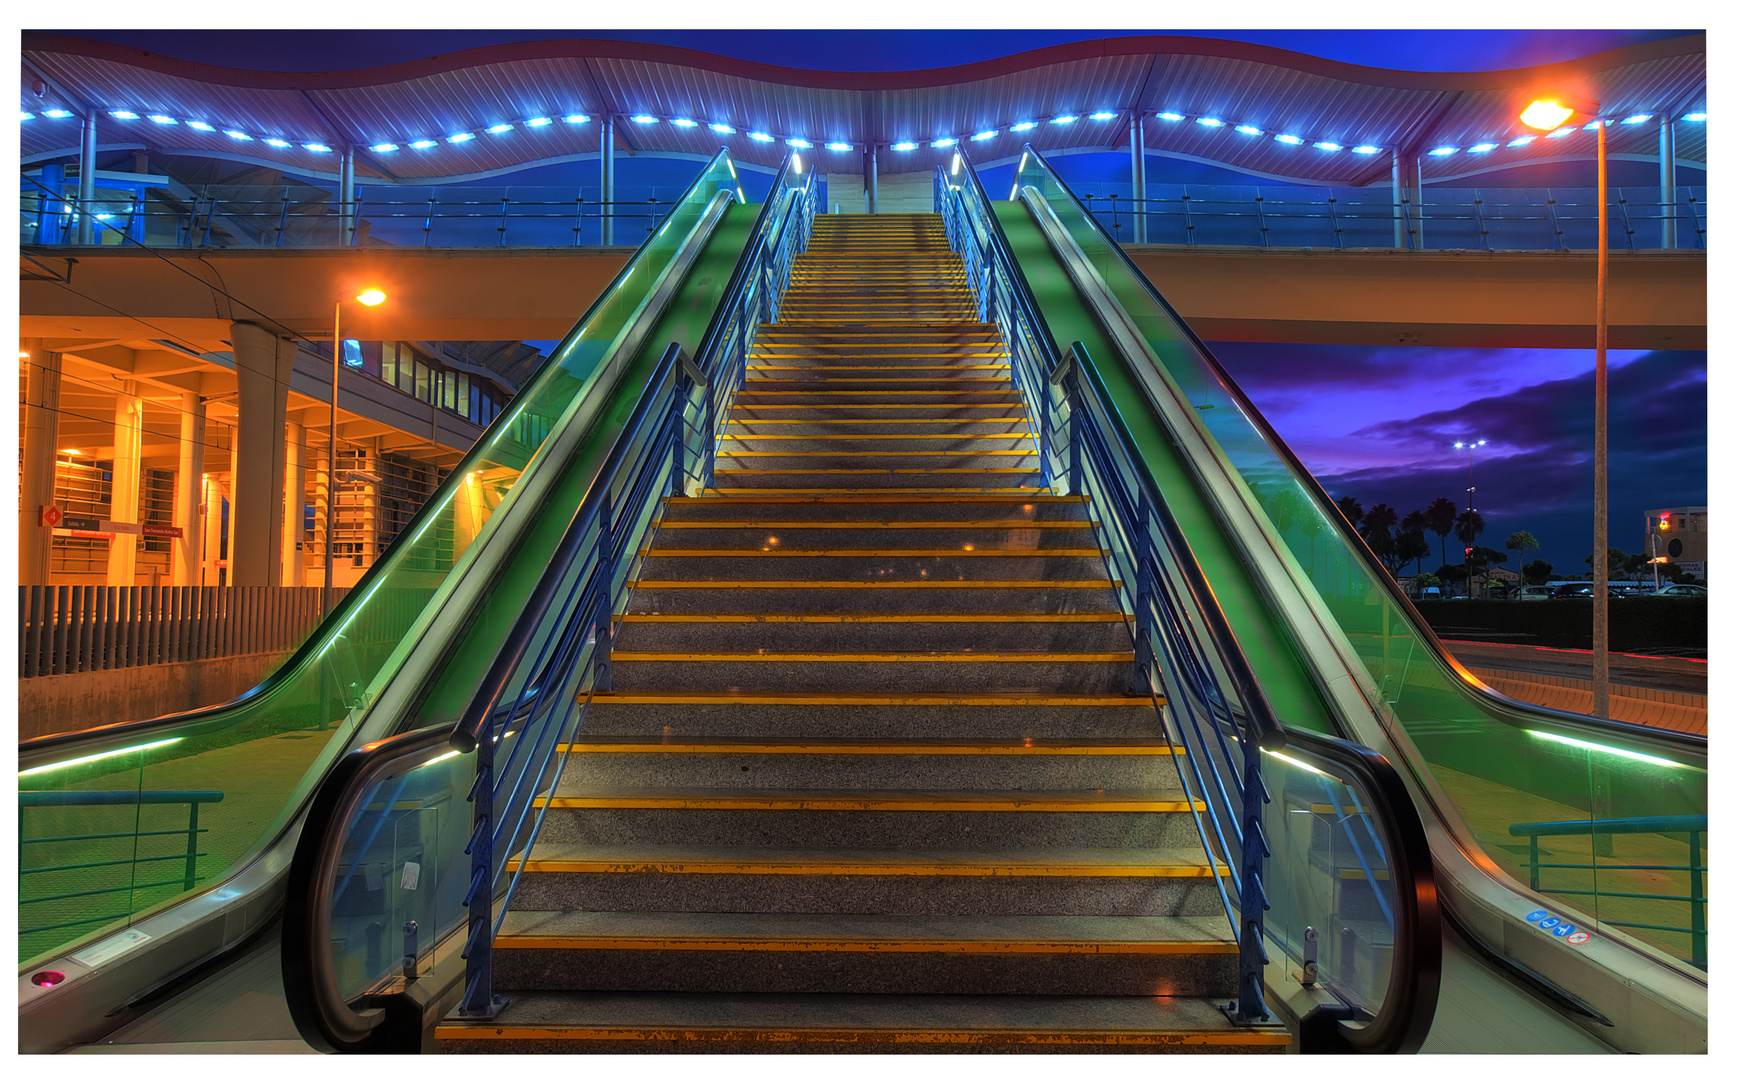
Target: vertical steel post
[1667, 183]
[332, 459]
[479, 999]
[1398, 205]
[87, 181]
[1601, 460]
[347, 197]
[872, 181]
[1137, 174]
[192, 845]
[603, 625]
[1252, 902]
[606, 159]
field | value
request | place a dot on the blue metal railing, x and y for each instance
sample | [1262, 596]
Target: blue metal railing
[1184, 649]
[557, 657]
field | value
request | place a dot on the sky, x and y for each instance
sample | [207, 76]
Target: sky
[1379, 423]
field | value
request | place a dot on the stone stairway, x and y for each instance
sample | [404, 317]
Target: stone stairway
[872, 777]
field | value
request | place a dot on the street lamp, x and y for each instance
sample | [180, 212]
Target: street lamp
[1547, 114]
[367, 298]
[1471, 497]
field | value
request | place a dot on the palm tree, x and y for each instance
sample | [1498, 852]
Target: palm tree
[1438, 518]
[1415, 522]
[1377, 530]
[1467, 527]
[1520, 543]
[1351, 508]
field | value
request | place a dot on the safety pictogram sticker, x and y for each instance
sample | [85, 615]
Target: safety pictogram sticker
[1579, 937]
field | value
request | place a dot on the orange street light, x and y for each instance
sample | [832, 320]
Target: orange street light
[367, 298]
[1545, 114]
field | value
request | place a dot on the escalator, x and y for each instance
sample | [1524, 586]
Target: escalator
[1569, 853]
[152, 854]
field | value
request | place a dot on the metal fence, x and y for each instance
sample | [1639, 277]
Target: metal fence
[67, 629]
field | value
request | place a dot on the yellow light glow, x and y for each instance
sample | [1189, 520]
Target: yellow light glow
[22, 355]
[371, 298]
[1545, 115]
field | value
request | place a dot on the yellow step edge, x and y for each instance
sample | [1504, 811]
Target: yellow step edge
[924, 583]
[864, 869]
[942, 617]
[886, 438]
[982, 947]
[743, 393]
[869, 803]
[622, 656]
[1155, 749]
[736, 474]
[742, 406]
[874, 453]
[1035, 1038]
[881, 497]
[1014, 523]
[703, 697]
[904, 420]
[862, 553]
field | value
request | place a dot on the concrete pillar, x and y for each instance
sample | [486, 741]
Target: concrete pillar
[124, 483]
[228, 574]
[142, 162]
[1398, 204]
[36, 483]
[185, 553]
[1668, 184]
[871, 186]
[347, 197]
[606, 161]
[263, 363]
[1137, 154]
[212, 526]
[295, 500]
[87, 184]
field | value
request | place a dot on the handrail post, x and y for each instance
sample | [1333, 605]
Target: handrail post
[1252, 902]
[1697, 903]
[604, 625]
[479, 997]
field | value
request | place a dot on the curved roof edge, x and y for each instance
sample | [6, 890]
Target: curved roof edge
[42, 41]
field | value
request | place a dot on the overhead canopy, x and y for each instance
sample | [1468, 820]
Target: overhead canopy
[494, 110]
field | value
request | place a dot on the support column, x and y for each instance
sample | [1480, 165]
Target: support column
[1399, 216]
[87, 184]
[263, 363]
[36, 484]
[1668, 183]
[295, 501]
[185, 553]
[1137, 176]
[606, 159]
[124, 483]
[347, 197]
[1417, 203]
[871, 181]
[214, 490]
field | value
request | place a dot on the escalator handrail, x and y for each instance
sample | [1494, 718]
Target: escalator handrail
[30, 750]
[739, 277]
[1408, 1008]
[1615, 729]
[322, 1015]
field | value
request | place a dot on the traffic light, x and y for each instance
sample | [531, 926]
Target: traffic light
[1664, 523]
[1468, 553]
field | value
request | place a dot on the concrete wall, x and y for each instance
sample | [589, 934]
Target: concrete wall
[51, 704]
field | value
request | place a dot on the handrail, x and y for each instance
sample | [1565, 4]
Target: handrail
[1166, 611]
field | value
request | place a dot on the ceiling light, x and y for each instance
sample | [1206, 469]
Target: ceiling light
[22, 115]
[1289, 140]
[722, 129]
[642, 118]
[1366, 149]
[423, 144]
[981, 135]
[1249, 129]
[840, 146]
[1562, 132]
[682, 121]
[942, 144]
[318, 148]
[1023, 125]
[576, 118]
[1595, 123]
[1063, 119]
[158, 119]
[239, 135]
[463, 136]
[1521, 140]
[1172, 116]
[800, 144]
[383, 147]
[1103, 116]
[1444, 151]
[58, 114]
[1696, 117]
[1209, 121]
[1639, 118]
[498, 129]
[279, 143]
[904, 146]
[123, 114]
[104, 217]
[200, 125]
[1330, 147]
[1481, 148]
[539, 121]
[760, 136]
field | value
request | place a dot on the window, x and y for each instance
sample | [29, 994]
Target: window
[424, 387]
[449, 390]
[464, 409]
[389, 363]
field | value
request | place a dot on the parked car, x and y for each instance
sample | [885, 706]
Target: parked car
[1571, 589]
[1683, 590]
[1534, 592]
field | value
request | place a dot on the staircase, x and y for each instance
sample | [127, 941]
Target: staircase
[872, 777]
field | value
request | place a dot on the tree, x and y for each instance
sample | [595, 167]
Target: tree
[1520, 543]
[1351, 508]
[1466, 528]
[1619, 562]
[1425, 581]
[1377, 530]
[1438, 518]
[1481, 559]
[1536, 572]
[1411, 545]
[1414, 522]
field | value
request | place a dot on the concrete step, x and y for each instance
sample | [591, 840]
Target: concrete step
[705, 952]
[875, 510]
[843, 635]
[882, 459]
[1109, 672]
[777, 594]
[973, 480]
[673, 716]
[770, 440]
[867, 564]
[869, 881]
[917, 538]
[595, 765]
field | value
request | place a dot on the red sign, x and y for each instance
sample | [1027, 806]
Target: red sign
[163, 530]
[51, 516]
[1579, 937]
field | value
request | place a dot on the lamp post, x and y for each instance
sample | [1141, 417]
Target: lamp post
[1547, 115]
[367, 298]
[1471, 497]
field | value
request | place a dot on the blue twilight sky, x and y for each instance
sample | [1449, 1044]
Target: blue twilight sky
[1380, 422]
